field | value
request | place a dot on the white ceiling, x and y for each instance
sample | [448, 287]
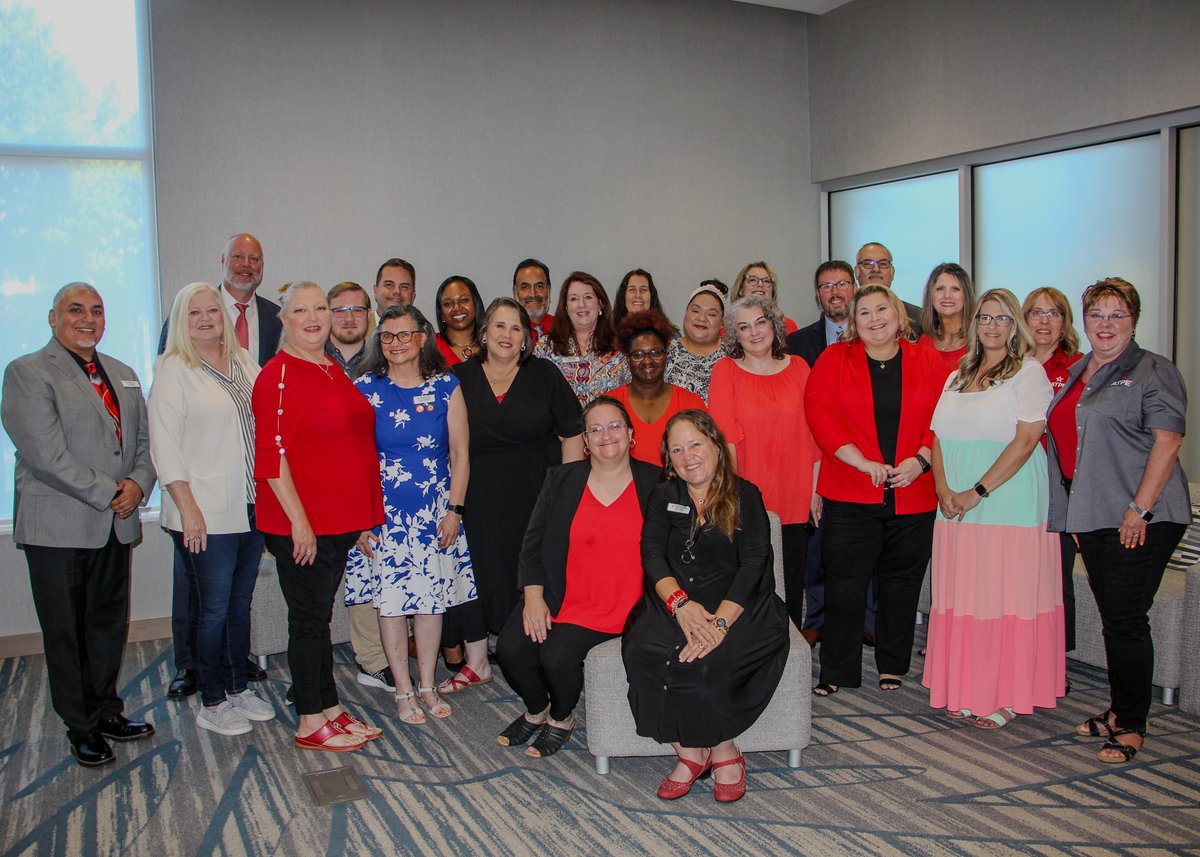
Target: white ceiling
[813, 7]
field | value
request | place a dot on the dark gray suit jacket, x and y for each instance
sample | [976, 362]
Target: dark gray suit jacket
[68, 458]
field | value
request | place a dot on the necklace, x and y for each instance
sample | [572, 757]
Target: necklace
[467, 350]
[323, 364]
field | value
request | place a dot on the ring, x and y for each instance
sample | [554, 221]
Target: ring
[309, 550]
[702, 645]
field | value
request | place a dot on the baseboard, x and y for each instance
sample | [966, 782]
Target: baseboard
[140, 630]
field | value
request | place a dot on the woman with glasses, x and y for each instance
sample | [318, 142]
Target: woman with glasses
[523, 419]
[692, 355]
[582, 341]
[636, 293]
[581, 574]
[1116, 427]
[1056, 347]
[459, 318]
[758, 278]
[995, 630]
[946, 308]
[649, 399]
[707, 646]
[420, 565]
[757, 398]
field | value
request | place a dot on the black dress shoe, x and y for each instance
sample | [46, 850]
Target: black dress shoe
[91, 751]
[254, 672]
[119, 728]
[184, 684]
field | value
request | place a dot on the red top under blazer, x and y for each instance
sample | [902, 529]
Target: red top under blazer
[841, 410]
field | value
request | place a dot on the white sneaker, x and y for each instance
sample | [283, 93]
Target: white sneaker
[224, 720]
[253, 706]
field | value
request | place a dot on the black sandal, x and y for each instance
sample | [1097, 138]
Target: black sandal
[550, 741]
[1126, 750]
[890, 684]
[824, 689]
[518, 732]
[1090, 728]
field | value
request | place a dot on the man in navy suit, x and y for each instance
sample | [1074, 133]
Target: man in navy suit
[834, 292]
[257, 327]
[77, 419]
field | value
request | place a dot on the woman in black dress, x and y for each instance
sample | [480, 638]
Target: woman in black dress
[709, 641]
[524, 418]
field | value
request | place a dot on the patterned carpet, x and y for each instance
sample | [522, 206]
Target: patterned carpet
[884, 775]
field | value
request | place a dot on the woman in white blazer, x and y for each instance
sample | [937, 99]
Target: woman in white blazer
[202, 441]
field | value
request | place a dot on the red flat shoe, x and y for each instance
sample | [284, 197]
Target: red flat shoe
[319, 740]
[729, 792]
[672, 789]
[345, 719]
[461, 680]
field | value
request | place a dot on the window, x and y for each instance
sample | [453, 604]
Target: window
[1187, 319]
[75, 177]
[916, 218]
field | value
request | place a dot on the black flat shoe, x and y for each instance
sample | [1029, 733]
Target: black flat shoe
[518, 732]
[254, 672]
[824, 689]
[550, 741]
[184, 684]
[120, 728]
[92, 751]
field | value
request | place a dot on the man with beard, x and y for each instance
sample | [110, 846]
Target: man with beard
[395, 284]
[257, 327]
[531, 288]
[834, 291]
[874, 267]
[352, 324]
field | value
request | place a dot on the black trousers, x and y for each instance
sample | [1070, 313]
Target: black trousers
[795, 563]
[82, 600]
[1068, 551]
[860, 539]
[309, 592]
[1125, 582]
[549, 673]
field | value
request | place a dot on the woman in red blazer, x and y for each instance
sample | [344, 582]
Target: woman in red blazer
[869, 403]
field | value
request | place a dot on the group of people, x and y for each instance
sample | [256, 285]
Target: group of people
[419, 462]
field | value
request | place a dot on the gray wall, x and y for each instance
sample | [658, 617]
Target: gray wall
[901, 81]
[464, 136]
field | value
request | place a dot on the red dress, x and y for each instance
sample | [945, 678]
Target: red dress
[949, 358]
[649, 436]
[763, 416]
[326, 428]
[604, 562]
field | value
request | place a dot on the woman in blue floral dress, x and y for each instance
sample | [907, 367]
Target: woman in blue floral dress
[419, 559]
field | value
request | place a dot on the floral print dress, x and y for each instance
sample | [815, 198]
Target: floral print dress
[409, 573]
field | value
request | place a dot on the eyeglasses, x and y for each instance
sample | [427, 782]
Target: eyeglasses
[597, 430]
[348, 311]
[999, 320]
[759, 281]
[1116, 316]
[1045, 313]
[881, 264]
[653, 354]
[829, 287]
[387, 337]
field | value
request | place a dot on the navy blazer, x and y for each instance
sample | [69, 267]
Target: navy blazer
[269, 329]
[808, 342]
[547, 539]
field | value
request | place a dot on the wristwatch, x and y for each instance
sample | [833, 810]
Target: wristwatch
[921, 460]
[981, 491]
[459, 508]
[1145, 514]
[721, 625]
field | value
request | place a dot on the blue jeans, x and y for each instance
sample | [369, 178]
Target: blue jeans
[221, 582]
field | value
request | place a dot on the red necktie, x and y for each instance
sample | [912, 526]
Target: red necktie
[241, 328]
[106, 396]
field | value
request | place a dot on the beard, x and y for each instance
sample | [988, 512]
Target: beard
[536, 307]
[348, 338]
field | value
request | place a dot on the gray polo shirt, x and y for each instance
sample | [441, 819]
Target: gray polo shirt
[1122, 403]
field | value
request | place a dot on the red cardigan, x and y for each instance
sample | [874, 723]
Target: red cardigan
[841, 410]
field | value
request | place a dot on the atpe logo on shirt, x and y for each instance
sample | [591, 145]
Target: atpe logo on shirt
[1123, 381]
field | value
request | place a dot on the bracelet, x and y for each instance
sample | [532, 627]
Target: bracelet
[678, 599]
[458, 509]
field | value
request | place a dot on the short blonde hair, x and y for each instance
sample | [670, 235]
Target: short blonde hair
[179, 341]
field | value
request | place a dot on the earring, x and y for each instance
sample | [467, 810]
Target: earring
[483, 340]
[522, 346]
[586, 450]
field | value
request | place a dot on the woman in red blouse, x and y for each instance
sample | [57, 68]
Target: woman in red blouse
[459, 319]
[869, 402]
[318, 490]
[581, 572]
[1056, 346]
[946, 307]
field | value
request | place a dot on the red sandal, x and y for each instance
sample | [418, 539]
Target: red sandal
[319, 740]
[672, 789]
[460, 681]
[345, 720]
[729, 792]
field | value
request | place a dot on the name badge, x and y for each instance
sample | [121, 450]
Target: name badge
[425, 400]
[675, 507]
[134, 384]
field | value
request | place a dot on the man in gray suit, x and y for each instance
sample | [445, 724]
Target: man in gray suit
[78, 421]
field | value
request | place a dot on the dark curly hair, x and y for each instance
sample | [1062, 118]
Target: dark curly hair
[647, 321]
